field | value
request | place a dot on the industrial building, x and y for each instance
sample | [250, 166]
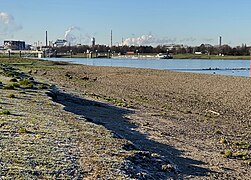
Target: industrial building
[60, 43]
[14, 45]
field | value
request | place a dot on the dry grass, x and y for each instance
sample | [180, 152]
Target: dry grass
[39, 140]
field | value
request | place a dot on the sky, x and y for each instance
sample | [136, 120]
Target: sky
[136, 22]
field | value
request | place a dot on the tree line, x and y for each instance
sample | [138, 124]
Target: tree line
[242, 50]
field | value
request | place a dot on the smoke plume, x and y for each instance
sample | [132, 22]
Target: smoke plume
[148, 40]
[7, 24]
[154, 40]
[70, 36]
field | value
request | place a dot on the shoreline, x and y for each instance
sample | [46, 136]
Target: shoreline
[178, 56]
[149, 56]
[231, 68]
[190, 121]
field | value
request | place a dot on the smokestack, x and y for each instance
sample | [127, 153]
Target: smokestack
[46, 39]
[111, 38]
[220, 41]
[93, 42]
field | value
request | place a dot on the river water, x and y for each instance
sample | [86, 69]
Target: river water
[223, 67]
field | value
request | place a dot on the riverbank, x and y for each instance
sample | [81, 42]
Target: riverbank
[175, 56]
[142, 55]
[164, 124]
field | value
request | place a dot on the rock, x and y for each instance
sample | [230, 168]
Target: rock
[85, 78]
[167, 167]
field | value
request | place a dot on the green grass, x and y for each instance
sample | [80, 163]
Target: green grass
[26, 83]
[22, 130]
[241, 155]
[227, 153]
[9, 74]
[242, 144]
[41, 86]
[9, 87]
[5, 112]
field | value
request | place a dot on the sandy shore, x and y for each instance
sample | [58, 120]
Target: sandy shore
[194, 117]
[198, 124]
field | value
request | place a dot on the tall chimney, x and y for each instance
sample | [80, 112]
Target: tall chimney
[220, 41]
[46, 39]
[111, 38]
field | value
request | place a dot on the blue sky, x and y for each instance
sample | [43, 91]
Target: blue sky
[139, 22]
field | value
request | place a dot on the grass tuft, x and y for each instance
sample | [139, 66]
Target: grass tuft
[5, 112]
[9, 87]
[26, 83]
[42, 86]
[22, 130]
[227, 153]
[11, 96]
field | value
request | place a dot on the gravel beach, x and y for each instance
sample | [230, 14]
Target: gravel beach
[152, 124]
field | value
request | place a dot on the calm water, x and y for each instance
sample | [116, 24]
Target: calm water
[224, 67]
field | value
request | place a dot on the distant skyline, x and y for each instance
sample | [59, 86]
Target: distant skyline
[138, 22]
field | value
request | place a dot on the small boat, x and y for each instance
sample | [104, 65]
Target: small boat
[164, 56]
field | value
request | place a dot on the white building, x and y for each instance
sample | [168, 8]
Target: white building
[60, 43]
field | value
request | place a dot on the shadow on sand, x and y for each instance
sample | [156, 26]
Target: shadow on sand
[170, 163]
